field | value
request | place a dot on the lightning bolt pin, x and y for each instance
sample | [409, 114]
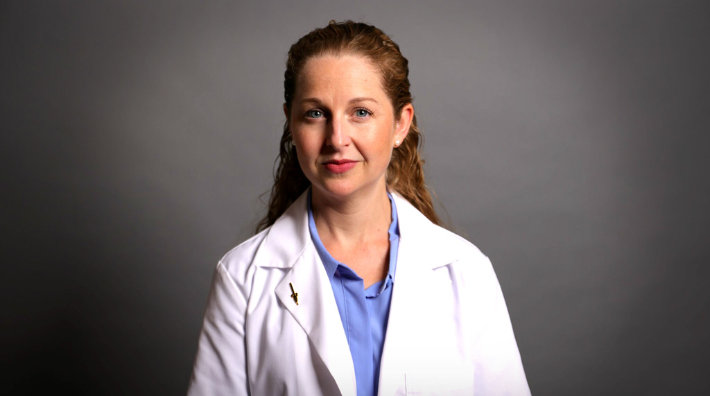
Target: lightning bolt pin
[294, 295]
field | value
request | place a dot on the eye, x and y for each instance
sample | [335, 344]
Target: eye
[314, 113]
[362, 113]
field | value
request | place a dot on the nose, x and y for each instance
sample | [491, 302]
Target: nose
[338, 132]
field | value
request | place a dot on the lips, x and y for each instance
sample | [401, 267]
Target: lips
[339, 166]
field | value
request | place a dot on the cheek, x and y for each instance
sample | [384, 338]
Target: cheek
[302, 159]
[304, 145]
[384, 140]
[307, 149]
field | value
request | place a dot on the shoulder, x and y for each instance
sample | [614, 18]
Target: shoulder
[276, 246]
[445, 243]
[238, 262]
[457, 243]
[467, 262]
[245, 251]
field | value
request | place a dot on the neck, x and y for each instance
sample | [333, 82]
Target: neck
[348, 222]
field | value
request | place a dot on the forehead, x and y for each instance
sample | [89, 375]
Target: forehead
[343, 73]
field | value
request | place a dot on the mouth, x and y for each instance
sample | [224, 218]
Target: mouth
[339, 166]
[339, 161]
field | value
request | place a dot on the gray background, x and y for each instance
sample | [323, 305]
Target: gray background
[566, 139]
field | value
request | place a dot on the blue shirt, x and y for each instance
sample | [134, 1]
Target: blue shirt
[364, 312]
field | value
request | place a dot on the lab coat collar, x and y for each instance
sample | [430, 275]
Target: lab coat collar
[287, 238]
[292, 226]
[423, 241]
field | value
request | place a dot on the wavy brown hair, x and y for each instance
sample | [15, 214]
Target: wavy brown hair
[405, 173]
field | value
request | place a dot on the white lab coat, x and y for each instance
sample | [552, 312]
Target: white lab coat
[448, 332]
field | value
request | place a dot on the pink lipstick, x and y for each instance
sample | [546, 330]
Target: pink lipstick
[339, 166]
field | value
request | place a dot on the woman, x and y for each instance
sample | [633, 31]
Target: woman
[351, 287]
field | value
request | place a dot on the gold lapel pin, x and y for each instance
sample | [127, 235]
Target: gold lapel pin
[294, 295]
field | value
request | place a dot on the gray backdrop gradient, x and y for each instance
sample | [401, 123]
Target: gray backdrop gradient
[567, 139]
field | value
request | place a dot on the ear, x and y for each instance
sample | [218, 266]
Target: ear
[286, 112]
[402, 124]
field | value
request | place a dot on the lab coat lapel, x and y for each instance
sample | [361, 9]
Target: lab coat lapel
[317, 313]
[413, 299]
[311, 302]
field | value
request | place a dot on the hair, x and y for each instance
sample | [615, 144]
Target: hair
[405, 173]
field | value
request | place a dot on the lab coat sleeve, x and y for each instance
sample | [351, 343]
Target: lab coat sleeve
[220, 364]
[498, 369]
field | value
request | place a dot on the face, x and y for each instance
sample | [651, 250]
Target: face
[343, 125]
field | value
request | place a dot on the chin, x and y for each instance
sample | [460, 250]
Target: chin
[341, 188]
[331, 189]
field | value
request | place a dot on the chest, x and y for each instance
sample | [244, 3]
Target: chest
[301, 349]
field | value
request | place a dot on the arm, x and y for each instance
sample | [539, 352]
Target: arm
[220, 365]
[498, 367]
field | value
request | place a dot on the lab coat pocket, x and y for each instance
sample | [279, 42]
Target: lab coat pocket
[453, 378]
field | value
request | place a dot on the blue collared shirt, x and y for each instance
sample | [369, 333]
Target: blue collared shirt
[364, 312]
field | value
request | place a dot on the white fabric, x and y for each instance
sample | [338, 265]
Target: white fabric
[448, 333]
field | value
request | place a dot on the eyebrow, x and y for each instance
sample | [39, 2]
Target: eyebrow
[363, 99]
[353, 100]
